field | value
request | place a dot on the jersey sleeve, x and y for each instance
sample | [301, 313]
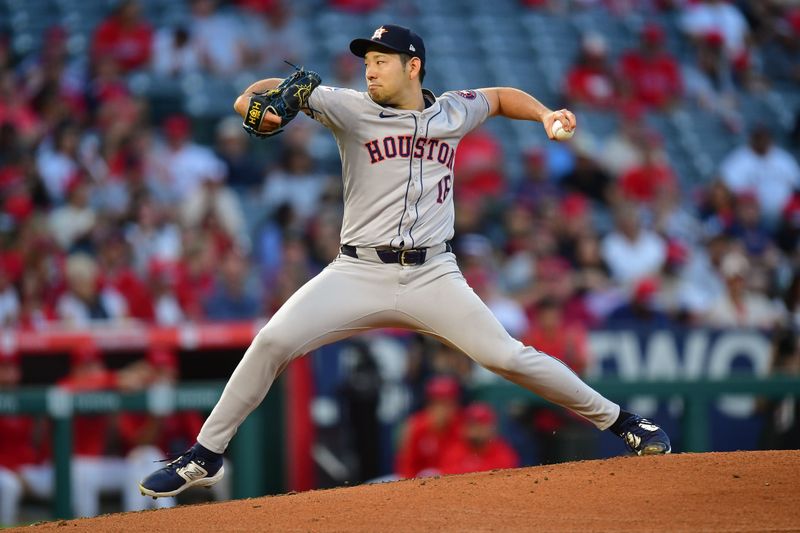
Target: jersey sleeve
[468, 109]
[333, 106]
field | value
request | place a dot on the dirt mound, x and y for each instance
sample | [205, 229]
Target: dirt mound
[741, 491]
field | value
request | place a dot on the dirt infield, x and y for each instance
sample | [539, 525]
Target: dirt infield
[741, 491]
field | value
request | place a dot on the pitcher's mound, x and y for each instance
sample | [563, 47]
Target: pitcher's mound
[741, 491]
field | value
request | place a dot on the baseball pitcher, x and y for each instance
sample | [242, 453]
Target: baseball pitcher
[397, 142]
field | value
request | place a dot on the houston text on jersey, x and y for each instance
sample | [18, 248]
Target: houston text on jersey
[400, 146]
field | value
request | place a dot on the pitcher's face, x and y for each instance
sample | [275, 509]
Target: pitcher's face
[386, 76]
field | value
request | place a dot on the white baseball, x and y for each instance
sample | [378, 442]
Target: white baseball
[558, 131]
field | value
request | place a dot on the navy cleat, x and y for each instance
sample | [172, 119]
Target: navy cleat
[197, 467]
[643, 437]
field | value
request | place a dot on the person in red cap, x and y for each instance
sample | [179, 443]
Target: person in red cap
[643, 308]
[722, 19]
[480, 448]
[591, 80]
[650, 76]
[431, 430]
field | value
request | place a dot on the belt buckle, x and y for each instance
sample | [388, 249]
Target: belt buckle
[402, 258]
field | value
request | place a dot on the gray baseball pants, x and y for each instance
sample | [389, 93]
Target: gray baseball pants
[353, 295]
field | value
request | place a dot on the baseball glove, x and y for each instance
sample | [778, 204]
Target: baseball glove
[285, 100]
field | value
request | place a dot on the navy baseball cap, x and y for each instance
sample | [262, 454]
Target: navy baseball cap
[395, 38]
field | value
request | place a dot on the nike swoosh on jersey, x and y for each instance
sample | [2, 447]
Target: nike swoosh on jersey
[381, 114]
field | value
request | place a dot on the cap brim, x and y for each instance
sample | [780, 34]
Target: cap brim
[359, 47]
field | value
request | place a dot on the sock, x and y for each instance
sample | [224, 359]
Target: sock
[205, 453]
[623, 417]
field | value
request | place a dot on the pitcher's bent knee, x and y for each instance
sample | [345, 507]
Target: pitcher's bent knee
[272, 345]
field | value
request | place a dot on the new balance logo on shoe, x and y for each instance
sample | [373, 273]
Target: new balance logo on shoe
[191, 472]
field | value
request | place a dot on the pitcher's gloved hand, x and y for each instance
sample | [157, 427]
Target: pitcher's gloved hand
[284, 101]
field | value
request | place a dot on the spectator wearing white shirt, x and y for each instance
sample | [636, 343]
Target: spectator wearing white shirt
[740, 306]
[218, 37]
[85, 301]
[762, 168]
[183, 164]
[630, 251]
[57, 162]
[162, 276]
[72, 222]
[152, 236]
[214, 198]
[174, 53]
[722, 17]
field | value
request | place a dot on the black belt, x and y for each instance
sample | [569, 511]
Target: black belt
[411, 257]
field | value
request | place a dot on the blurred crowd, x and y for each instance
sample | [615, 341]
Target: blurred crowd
[112, 213]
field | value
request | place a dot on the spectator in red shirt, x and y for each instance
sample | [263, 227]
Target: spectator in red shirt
[114, 259]
[35, 311]
[124, 37]
[555, 430]
[480, 448]
[650, 76]
[550, 334]
[653, 177]
[94, 472]
[149, 437]
[478, 167]
[17, 448]
[16, 110]
[431, 430]
[591, 80]
[194, 280]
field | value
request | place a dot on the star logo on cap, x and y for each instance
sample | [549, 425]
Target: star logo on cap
[379, 32]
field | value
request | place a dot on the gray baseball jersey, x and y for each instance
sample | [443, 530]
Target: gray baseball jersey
[397, 165]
